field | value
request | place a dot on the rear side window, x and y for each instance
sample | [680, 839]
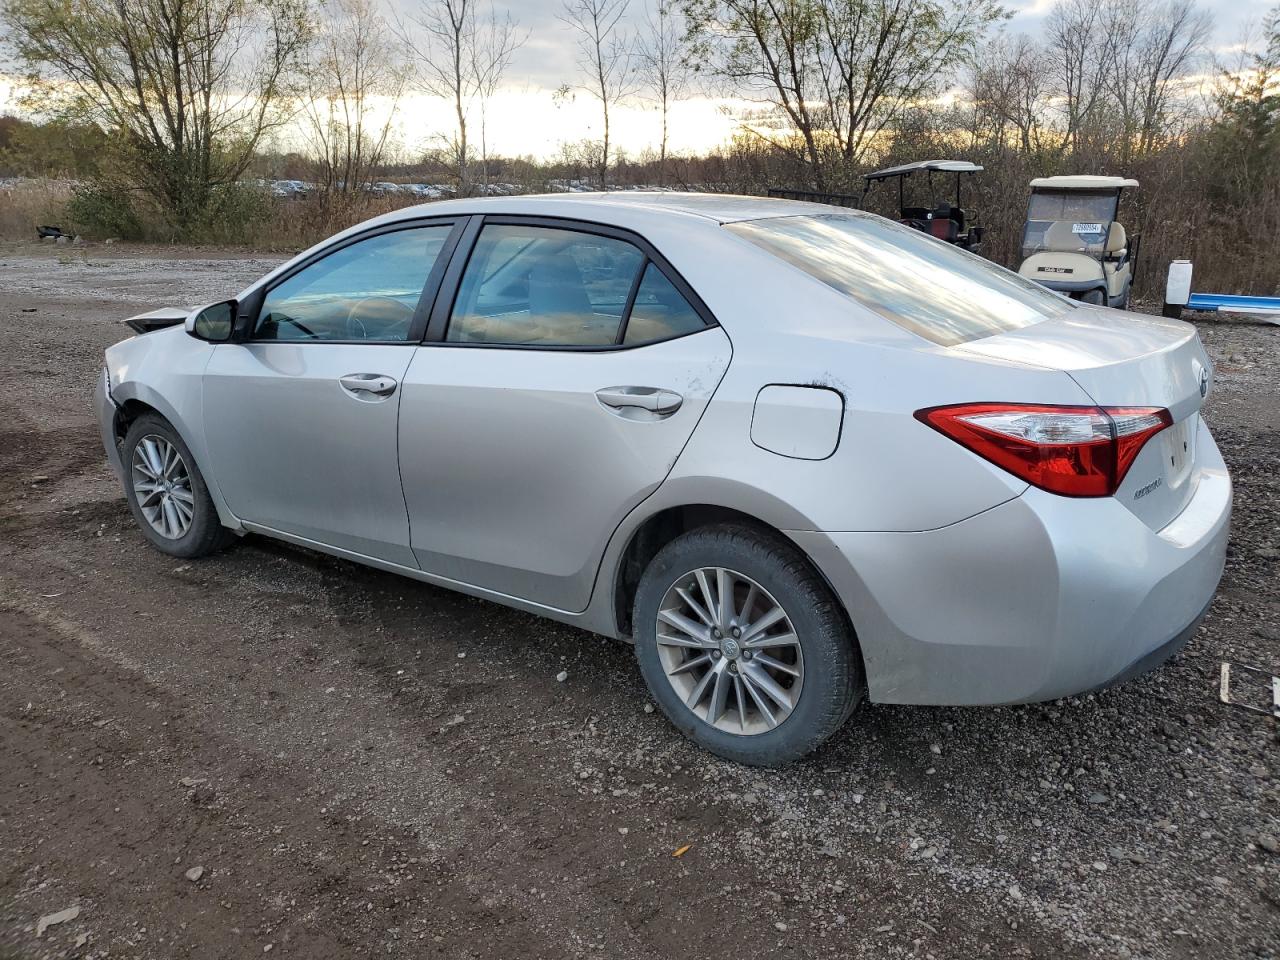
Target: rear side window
[537, 286]
[929, 287]
[545, 287]
[660, 312]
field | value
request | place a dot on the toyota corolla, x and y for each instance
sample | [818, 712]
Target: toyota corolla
[799, 455]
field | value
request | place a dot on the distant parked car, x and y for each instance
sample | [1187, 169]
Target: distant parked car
[800, 455]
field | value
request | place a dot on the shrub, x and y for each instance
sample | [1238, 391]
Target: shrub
[101, 211]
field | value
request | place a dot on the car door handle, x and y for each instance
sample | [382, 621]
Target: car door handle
[646, 398]
[377, 384]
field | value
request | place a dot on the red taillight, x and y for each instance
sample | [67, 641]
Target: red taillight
[1073, 451]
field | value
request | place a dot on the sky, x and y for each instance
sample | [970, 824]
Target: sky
[525, 118]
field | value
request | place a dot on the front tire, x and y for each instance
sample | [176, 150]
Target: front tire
[743, 646]
[167, 493]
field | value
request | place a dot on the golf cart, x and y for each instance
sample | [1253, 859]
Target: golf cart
[943, 220]
[1074, 244]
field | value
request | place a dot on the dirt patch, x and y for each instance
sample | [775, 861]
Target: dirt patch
[365, 765]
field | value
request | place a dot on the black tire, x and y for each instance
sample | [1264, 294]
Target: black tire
[205, 534]
[1096, 297]
[832, 675]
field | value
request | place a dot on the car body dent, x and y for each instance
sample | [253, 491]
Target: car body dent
[165, 371]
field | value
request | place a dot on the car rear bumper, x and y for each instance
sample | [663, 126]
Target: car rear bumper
[1038, 598]
[106, 410]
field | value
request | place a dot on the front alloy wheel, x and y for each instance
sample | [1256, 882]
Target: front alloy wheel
[729, 651]
[166, 492]
[162, 486]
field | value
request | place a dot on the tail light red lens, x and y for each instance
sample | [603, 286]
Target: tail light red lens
[1072, 451]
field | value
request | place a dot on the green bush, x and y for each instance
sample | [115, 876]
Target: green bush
[101, 211]
[234, 213]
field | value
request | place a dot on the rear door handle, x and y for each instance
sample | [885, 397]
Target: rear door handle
[375, 383]
[646, 398]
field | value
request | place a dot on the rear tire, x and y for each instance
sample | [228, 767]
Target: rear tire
[167, 493]
[781, 698]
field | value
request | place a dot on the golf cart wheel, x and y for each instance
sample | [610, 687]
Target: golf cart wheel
[743, 645]
[1097, 297]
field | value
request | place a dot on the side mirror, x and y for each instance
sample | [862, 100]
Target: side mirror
[213, 323]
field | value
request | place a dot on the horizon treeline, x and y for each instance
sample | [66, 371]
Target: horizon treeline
[162, 117]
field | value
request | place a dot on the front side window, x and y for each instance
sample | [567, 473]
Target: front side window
[931, 288]
[544, 286]
[368, 290]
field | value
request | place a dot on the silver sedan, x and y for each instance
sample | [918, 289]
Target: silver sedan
[801, 456]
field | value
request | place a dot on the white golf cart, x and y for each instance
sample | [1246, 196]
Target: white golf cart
[1074, 244]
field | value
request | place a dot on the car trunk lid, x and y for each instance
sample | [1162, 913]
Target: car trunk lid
[1121, 360]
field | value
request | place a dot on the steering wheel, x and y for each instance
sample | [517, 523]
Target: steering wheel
[356, 329]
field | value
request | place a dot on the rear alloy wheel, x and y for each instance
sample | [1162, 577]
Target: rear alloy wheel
[729, 651]
[743, 646]
[166, 493]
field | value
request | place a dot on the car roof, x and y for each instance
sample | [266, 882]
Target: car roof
[1083, 182]
[622, 207]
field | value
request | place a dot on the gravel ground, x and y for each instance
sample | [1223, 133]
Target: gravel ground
[276, 751]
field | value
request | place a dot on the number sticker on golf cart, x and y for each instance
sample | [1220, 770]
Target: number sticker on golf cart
[1086, 228]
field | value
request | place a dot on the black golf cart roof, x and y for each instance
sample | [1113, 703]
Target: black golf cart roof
[934, 166]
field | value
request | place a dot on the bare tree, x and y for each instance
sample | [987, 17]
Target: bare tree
[1010, 92]
[1080, 49]
[188, 89]
[838, 72]
[663, 67]
[1153, 51]
[605, 55]
[354, 87]
[493, 44]
[441, 36]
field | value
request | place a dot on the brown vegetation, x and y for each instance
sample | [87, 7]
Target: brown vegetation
[844, 86]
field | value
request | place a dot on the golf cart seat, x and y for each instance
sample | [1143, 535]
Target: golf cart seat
[1117, 241]
[944, 229]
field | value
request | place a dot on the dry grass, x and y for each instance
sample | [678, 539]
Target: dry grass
[26, 204]
[259, 221]
[295, 224]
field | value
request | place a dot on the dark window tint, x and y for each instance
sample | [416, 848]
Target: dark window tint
[544, 287]
[660, 312]
[929, 287]
[368, 290]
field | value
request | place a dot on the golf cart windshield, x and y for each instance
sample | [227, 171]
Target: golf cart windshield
[1069, 221]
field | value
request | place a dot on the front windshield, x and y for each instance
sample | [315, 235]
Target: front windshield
[1069, 221]
[924, 285]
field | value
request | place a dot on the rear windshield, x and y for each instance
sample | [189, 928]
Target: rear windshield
[924, 285]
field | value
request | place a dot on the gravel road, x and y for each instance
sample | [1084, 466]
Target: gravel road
[276, 751]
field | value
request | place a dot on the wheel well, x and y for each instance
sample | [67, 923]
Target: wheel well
[130, 411]
[663, 527]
